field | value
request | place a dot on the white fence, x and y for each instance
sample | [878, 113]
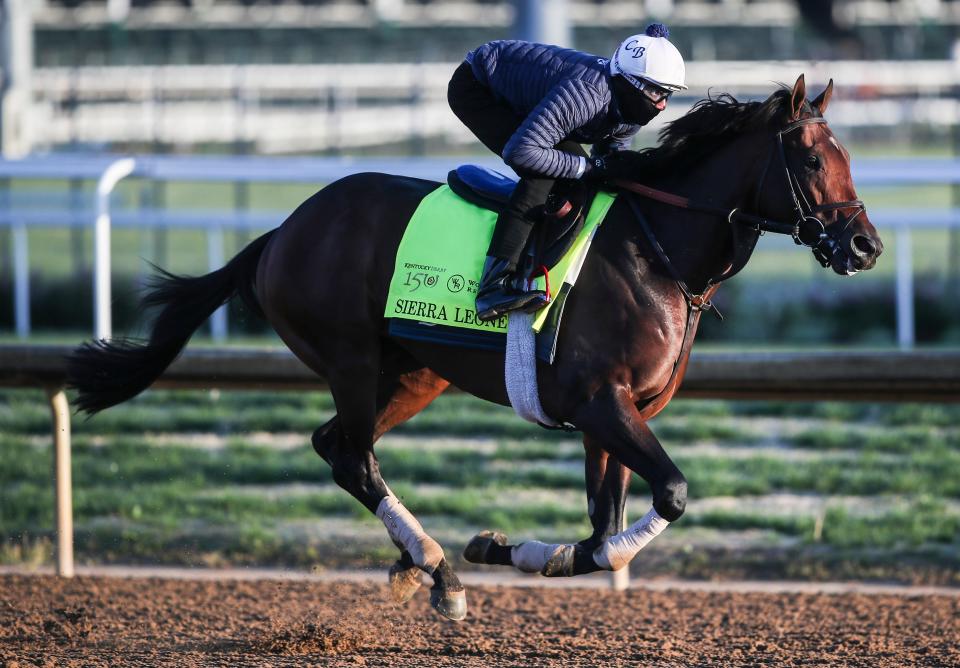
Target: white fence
[297, 108]
[217, 14]
[109, 170]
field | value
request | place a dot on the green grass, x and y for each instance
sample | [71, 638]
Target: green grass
[905, 439]
[920, 522]
[147, 491]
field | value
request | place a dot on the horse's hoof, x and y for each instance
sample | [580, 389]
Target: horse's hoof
[450, 604]
[404, 582]
[479, 546]
[560, 565]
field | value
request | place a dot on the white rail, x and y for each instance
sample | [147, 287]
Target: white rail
[111, 176]
[109, 170]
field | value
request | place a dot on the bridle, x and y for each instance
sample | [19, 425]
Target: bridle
[806, 229]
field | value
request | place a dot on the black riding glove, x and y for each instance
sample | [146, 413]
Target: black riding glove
[626, 165]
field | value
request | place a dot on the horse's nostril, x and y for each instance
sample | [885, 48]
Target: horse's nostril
[863, 246]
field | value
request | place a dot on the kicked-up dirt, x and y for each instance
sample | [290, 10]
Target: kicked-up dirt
[94, 621]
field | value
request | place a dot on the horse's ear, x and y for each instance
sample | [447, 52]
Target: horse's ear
[797, 97]
[823, 99]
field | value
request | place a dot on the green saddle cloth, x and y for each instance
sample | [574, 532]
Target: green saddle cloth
[440, 260]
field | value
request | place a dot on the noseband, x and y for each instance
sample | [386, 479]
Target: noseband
[806, 229]
[809, 230]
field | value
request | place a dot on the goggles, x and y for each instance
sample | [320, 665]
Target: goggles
[652, 91]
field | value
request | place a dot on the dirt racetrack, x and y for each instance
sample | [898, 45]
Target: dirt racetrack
[94, 621]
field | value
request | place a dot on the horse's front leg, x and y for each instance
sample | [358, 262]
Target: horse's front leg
[607, 482]
[612, 426]
[612, 419]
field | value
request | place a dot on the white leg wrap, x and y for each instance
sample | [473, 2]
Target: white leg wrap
[536, 557]
[617, 551]
[405, 530]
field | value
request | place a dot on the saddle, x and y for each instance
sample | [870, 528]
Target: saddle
[439, 264]
[556, 224]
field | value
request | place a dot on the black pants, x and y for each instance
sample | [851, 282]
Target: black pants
[494, 122]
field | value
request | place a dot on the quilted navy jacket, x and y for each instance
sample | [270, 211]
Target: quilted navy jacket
[561, 93]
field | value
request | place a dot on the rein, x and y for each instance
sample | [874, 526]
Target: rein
[734, 215]
[696, 302]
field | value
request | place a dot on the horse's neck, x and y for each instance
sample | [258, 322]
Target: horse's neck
[699, 244]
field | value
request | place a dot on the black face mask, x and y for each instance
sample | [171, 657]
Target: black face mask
[635, 107]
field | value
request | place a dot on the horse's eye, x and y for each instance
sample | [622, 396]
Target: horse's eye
[813, 161]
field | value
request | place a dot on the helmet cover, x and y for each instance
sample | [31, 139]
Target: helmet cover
[652, 57]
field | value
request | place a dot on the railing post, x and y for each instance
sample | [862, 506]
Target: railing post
[543, 21]
[218, 321]
[63, 482]
[620, 580]
[103, 322]
[905, 312]
[21, 280]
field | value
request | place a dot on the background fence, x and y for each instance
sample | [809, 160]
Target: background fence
[344, 107]
[107, 172]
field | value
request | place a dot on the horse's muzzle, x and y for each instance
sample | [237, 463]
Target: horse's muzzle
[855, 252]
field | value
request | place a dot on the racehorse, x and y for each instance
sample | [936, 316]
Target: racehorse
[721, 174]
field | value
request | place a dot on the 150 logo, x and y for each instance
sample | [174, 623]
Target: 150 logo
[419, 279]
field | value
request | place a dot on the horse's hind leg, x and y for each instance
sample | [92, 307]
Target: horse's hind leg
[397, 403]
[398, 399]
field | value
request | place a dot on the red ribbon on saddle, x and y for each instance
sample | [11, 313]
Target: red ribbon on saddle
[541, 271]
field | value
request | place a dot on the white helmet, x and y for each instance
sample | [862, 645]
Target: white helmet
[652, 57]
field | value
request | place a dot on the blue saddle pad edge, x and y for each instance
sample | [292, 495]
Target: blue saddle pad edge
[451, 336]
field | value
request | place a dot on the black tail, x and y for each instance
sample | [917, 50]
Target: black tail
[106, 373]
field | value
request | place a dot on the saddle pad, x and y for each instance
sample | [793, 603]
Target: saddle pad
[440, 260]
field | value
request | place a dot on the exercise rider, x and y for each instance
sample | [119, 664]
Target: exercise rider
[533, 105]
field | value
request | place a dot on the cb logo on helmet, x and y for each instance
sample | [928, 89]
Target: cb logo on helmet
[634, 47]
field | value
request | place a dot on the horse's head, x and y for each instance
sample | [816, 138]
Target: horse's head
[807, 180]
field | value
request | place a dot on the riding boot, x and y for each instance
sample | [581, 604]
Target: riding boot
[498, 294]
[499, 291]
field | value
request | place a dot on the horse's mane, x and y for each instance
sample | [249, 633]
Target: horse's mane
[710, 124]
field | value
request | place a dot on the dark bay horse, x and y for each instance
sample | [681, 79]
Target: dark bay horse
[321, 281]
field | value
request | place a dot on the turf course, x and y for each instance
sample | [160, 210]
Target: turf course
[199, 477]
